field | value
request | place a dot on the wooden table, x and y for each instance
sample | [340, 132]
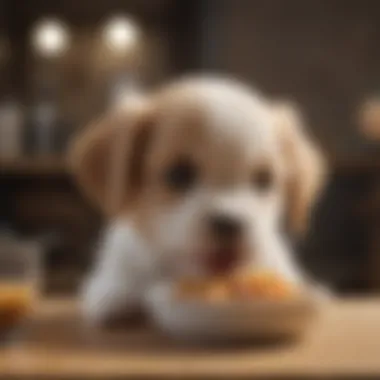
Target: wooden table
[56, 344]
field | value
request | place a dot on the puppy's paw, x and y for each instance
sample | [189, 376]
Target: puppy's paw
[104, 302]
[321, 293]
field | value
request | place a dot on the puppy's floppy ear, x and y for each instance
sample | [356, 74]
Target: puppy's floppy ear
[107, 157]
[305, 166]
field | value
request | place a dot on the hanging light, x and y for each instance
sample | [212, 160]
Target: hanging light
[50, 38]
[120, 34]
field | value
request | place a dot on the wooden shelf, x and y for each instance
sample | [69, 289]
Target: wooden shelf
[44, 165]
[356, 166]
[57, 165]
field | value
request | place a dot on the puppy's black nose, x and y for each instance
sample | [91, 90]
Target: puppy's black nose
[225, 226]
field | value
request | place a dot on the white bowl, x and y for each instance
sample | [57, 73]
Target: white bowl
[201, 321]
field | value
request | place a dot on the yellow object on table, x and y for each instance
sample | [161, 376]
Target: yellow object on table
[16, 299]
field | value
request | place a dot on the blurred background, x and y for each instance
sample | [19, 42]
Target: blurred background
[63, 61]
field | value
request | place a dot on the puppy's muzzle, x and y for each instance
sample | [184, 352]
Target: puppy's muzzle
[225, 228]
[226, 232]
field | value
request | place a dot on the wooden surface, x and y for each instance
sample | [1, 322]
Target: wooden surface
[344, 341]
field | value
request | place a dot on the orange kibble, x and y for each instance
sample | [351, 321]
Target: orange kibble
[219, 292]
[191, 288]
[247, 286]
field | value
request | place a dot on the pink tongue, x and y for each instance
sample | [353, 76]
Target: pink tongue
[221, 260]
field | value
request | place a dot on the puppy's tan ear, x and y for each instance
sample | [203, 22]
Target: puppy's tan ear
[305, 165]
[107, 157]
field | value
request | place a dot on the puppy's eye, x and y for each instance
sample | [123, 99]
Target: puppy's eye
[181, 176]
[262, 179]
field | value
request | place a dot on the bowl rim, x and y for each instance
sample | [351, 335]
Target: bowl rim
[301, 302]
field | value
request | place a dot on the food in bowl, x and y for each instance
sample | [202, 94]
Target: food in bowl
[259, 285]
[239, 307]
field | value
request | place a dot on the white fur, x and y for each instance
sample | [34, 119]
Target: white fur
[241, 130]
[121, 273]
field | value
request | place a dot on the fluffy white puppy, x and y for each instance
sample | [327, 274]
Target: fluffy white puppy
[196, 178]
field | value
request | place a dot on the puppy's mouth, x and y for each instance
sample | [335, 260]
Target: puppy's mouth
[222, 260]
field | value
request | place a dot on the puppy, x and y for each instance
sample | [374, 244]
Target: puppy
[196, 179]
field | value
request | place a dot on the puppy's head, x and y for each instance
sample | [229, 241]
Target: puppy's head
[205, 170]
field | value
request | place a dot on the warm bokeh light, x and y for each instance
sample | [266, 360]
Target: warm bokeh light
[369, 118]
[50, 38]
[120, 34]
